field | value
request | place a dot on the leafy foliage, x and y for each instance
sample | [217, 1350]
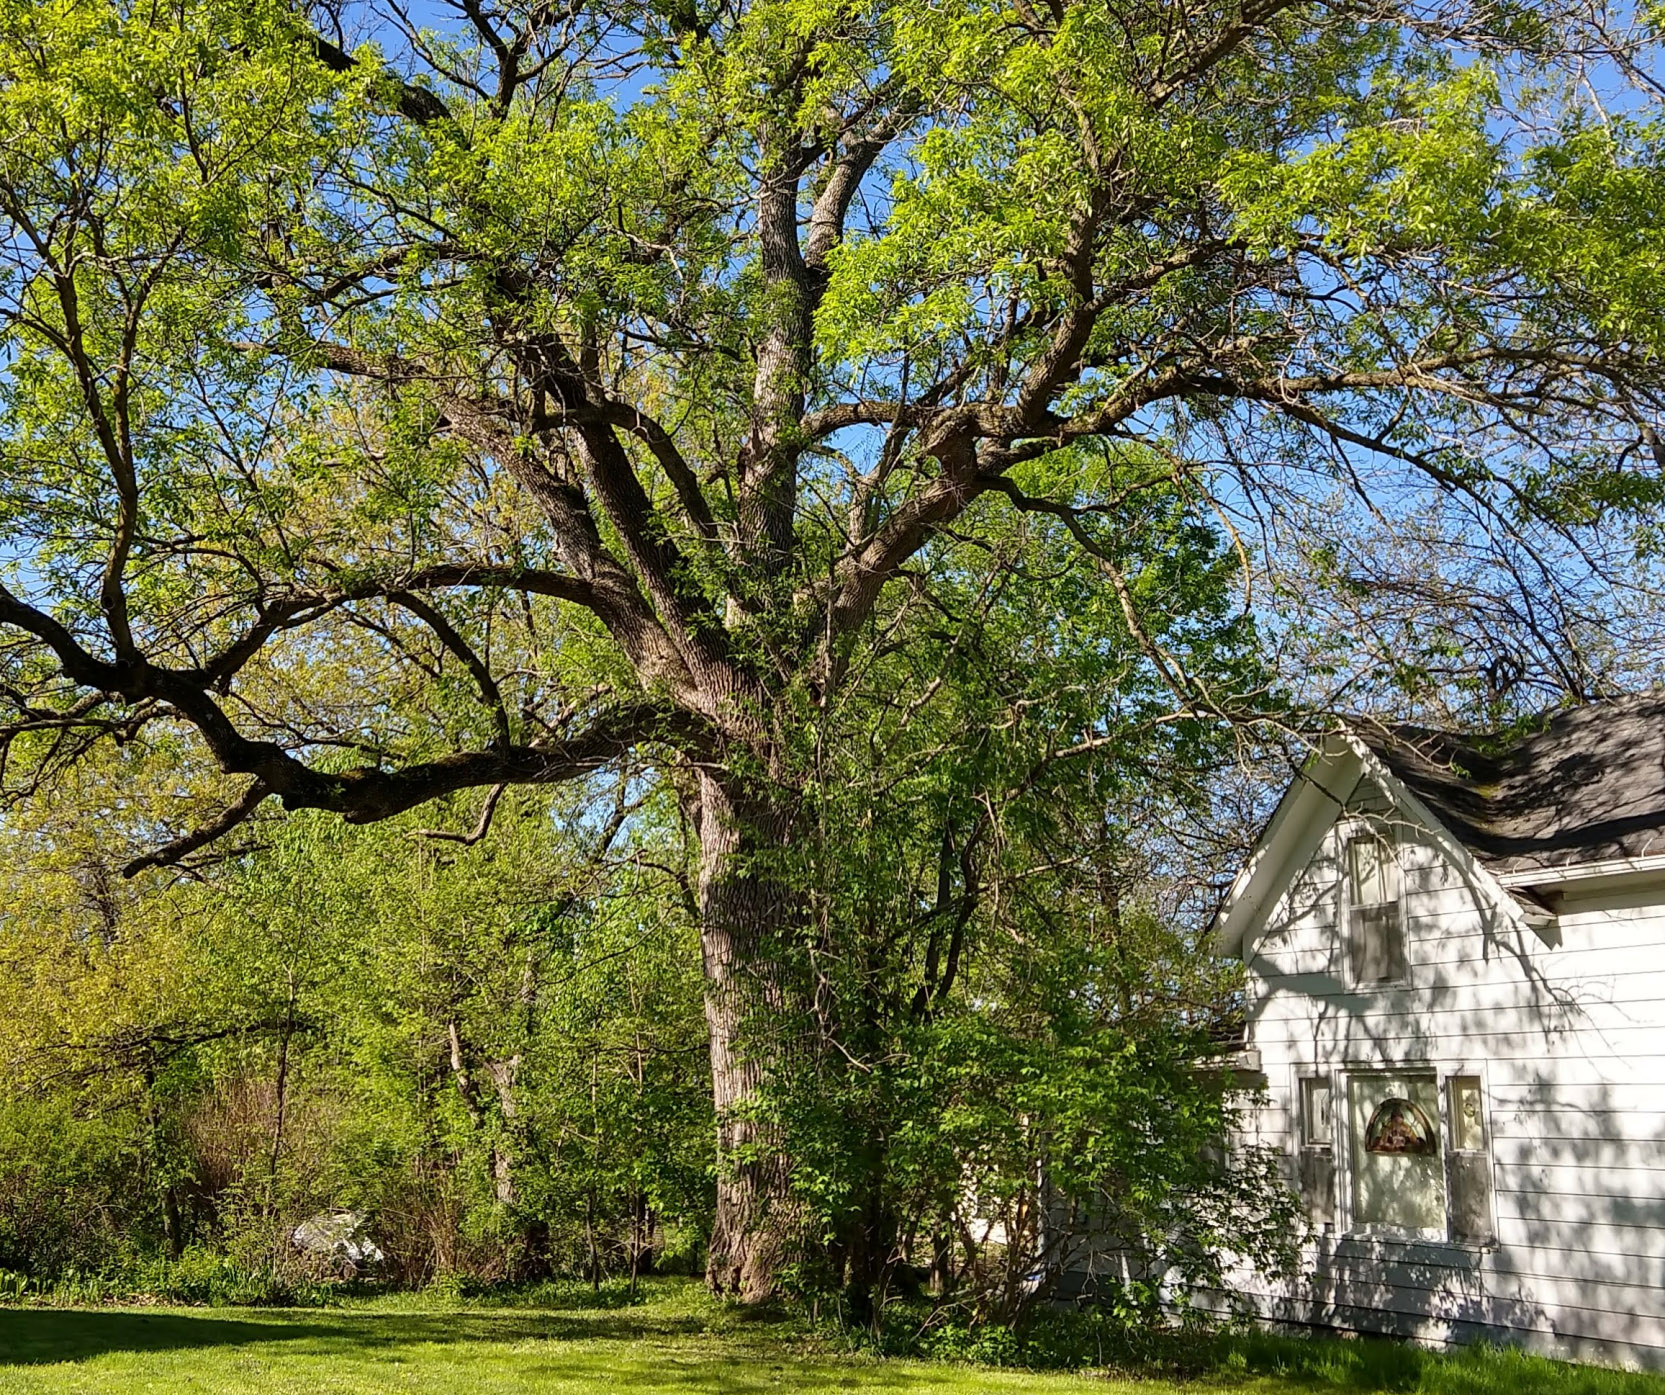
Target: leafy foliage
[495, 1052]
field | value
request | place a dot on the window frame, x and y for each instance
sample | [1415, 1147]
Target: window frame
[1359, 830]
[1445, 1073]
[1306, 1132]
[1378, 1230]
[1455, 1157]
[1455, 1080]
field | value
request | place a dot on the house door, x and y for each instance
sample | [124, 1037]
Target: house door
[1398, 1173]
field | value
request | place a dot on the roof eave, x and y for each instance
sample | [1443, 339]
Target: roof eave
[1569, 874]
[1257, 882]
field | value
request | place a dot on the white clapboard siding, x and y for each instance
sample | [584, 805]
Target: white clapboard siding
[1498, 1035]
[1310, 1314]
[1563, 1095]
[1526, 1124]
[1583, 1308]
[1433, 958]
[1643, 1048]
[1623, 1184]
[1514, 1158]
[1463, 954]
[1566, 1208]
[1584, 1266]
[1602, 1254]
[1451, 1287]
[1557, 1237]
[1567, 1032]
[1603, 1077]
[1497, 1010]
[1622, 1340]
[1456, 933]
[1637, 997]
[1587, 981]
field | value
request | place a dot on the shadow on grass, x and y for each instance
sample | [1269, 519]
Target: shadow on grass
[36, 1336]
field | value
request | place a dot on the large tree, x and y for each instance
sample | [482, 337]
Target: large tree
[597, 371]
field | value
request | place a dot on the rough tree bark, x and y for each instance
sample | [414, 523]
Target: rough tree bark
[503, 1074]
[749, 919]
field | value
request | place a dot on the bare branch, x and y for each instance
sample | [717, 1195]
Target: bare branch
[468, 840]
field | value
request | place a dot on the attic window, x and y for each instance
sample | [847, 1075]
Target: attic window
[1375, 932]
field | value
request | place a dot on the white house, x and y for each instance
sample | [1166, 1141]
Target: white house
[1456, 980]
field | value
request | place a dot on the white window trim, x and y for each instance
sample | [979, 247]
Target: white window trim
[1342, 1077]
[1468, 1071]
[1303, 1138]
[1350, 1228]
[1362, 826]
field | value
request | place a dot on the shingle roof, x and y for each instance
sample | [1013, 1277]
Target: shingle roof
[1588, 787]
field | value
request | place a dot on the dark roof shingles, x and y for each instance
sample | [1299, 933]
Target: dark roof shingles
[1588, 787]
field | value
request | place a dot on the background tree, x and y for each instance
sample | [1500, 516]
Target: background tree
[493, 1050]
[596, 383]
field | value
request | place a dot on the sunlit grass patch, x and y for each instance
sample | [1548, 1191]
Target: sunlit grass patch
[673, 1340]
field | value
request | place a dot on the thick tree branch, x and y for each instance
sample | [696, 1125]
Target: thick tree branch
[661, 655]
[222, 823]
[483, 827]
[361, 795]
[415, 103]
[292, 610]
[663, 445]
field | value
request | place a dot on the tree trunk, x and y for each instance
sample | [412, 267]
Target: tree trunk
[503, 1076]
[281, 1096]
[748, 917]
[942, 1262]
[172, 1232]
[870, 1245]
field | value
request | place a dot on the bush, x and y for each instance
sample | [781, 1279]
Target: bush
[200, 1277]
[67, 1194]
[1104, 1334]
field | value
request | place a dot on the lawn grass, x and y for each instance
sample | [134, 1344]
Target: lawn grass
[675, 1343]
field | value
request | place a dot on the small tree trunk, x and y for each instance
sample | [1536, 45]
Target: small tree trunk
[872, 1244]
[942, 1262]
[589, 1235]
[635, 1241]
[748, 915]
[172, 1233]
[281, 1096]
[504, 1075]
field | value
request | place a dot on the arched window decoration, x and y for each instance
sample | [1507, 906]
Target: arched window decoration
[1400, 1126]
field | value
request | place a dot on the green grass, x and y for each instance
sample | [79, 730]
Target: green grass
[675, 1343]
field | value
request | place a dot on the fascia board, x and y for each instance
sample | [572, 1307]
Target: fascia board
[1585, 871]
[1307, 809]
